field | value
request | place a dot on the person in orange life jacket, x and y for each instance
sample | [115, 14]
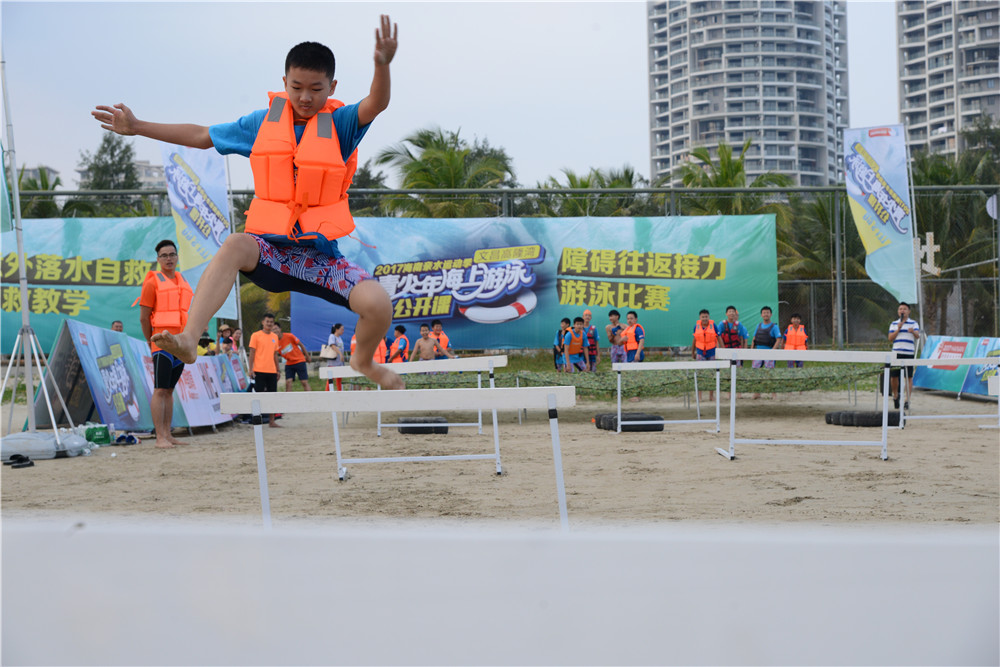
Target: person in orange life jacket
[633, 338]
[558, 348]
[426, 348]
[767, 336]
[400, 348]
[163, 306]
[705, 338]
[264, 359]
[296, 358]
[438, 334]
[593, 350]
[381, 354]
[795, 338]
[300, 208]
[576, 356]
[613, 329]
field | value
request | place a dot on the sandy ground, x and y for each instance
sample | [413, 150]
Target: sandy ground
[938, 471]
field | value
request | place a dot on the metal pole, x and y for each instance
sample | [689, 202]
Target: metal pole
[838, 306]
[22, 275]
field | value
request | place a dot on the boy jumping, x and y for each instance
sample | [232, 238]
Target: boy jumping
[302, 153]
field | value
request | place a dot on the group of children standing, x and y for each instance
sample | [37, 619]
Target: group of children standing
[708, 336]
[575, 347]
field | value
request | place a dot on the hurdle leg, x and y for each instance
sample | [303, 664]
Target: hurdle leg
[885, 417]
[557, 458]
[496, 428]
[258, 436]
[619, 402]
[697, 400]
[479, 385]
[378, 417]
[517, 383]
[731, 454]
[341, 470]
[718, 394]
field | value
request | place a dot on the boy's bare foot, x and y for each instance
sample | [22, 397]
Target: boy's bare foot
[175, 441]
[178, 345]
[274, 424]
[164, 444]
[380, 375]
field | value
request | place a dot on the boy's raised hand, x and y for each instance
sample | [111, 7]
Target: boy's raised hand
[385, 44]
[118, 119]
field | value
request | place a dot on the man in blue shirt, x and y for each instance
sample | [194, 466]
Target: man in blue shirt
[275, 263]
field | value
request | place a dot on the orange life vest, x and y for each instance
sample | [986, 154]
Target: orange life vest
[304, 182]
[631, 342]
[173, 300]
[705, 338]
[442, 338]
[795, 339]
[381, 352]
[401, 344]
[575, 342]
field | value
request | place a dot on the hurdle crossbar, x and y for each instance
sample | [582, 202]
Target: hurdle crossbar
[959, 361]
[462, 364]
[549, 398]
[736, 355]
[693, 366]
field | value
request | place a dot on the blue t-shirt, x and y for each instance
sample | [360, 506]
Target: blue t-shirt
[238, 138]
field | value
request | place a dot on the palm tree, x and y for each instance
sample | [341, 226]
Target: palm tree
[432, 159]
[48, 207]
[615, 199]
[701, 171]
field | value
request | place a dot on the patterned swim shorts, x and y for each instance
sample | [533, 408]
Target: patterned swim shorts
[306, 270]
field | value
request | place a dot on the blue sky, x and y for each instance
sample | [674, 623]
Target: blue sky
[557, 84]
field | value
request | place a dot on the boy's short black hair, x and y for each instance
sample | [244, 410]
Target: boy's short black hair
[164, 243]
[728, 308]
[615, 313]
[266, 315]
[401, 329]
[767, 308]
[425, 325]
[227, 341]
[577, 319]
[703, 311]
[566, 320]
[435, 323]
[312, 56]
[794, 315]
[632, 312]
[903, 303]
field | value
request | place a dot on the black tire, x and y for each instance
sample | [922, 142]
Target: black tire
[847, 418]
[874, 418]
[829, 417]
[635, 416]
[420, 430]
[836, 417]
[600, 419]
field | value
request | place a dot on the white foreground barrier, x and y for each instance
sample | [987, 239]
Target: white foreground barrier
[694, 366]
[468, 594]
[959, 361]
[421, 399]
[736, 355]
[471, 364]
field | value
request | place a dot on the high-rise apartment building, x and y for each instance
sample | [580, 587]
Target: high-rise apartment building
[774, 71]
[949, 69]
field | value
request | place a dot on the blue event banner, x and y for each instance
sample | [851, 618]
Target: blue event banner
[505, 283]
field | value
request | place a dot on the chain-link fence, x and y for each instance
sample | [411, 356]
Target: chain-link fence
[820, 256]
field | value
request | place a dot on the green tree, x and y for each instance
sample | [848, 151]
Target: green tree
[727, 171]
[366, 178]
[48, 206]
[614, 196]
[983, 146]
[432, 159]
[111, 167]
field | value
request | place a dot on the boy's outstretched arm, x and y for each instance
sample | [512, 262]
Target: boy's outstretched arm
[378, 97]
[120, 120]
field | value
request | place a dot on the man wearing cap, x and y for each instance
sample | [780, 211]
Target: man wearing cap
[590, 330]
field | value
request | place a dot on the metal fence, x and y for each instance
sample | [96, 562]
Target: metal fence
[820, 256]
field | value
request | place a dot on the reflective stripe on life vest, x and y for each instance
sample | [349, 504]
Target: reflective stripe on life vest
[305, 182]
[173, 300]
[730, 336]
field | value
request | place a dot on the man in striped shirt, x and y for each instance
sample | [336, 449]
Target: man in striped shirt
[903, 335]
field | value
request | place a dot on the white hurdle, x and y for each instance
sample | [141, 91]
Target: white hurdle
[959, 361]
[735, 355]
[693, 366]
[257, 404]
[472, 364]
